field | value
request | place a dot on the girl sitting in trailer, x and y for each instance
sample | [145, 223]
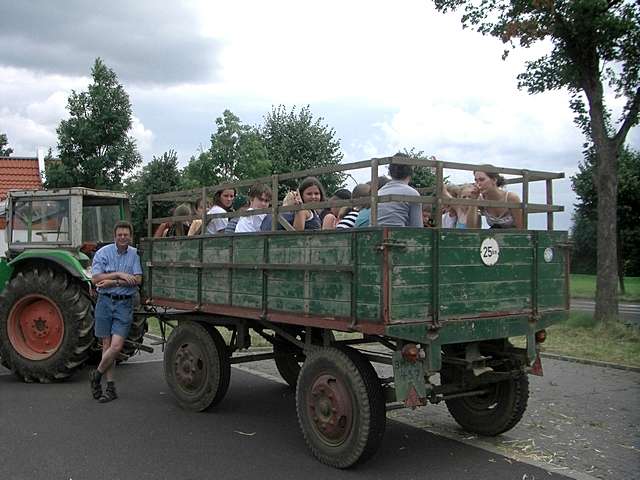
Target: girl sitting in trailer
[309, 191]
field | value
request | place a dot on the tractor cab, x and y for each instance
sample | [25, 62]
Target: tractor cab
[74, 219]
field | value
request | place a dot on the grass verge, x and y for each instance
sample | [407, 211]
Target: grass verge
[584, 286]
[581, 337]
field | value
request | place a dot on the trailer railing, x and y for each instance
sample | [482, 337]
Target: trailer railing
[435, 198]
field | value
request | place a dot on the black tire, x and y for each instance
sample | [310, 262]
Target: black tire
[493, 413]
[73, 313]
[289, 358]
[196, 366]
[136, 334]
[340, 386]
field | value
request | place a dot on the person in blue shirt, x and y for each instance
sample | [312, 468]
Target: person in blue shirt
[116, 273]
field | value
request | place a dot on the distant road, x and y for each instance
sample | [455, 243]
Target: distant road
[630, 312]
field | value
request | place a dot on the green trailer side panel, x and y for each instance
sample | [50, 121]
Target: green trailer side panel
[552, 281]
[468, 287]
[235, 270]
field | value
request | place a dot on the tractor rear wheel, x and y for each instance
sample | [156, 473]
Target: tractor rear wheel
[46, 325]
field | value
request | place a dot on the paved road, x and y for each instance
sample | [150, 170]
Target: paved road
[630, 312]
[581, 419]
[58, 431]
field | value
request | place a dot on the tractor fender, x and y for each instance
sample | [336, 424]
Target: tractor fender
[68, 261]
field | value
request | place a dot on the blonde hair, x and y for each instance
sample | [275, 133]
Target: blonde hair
[289, 199]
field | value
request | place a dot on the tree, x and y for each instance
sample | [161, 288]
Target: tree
[160, 175]
[628, 216]
[236, 153]
[593, 43]
[93, 144]
[422, 177]
[4, 150]
[295, 141]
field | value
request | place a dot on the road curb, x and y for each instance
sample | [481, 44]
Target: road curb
[552, 356]
[586, 361]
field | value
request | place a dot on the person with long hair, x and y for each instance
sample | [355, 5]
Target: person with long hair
[330, 216]
[310, 190]
[196, 224]
[222, 203]
[489, 186]
[463, 215]
[177, 228]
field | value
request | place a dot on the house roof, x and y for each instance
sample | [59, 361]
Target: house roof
[19, 173]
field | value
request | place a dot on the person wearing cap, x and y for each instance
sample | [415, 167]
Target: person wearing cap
[116, 273]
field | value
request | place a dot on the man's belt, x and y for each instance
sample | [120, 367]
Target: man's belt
[117, 297]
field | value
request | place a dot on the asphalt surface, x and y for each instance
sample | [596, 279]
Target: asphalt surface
[58, 431]
[580, 420]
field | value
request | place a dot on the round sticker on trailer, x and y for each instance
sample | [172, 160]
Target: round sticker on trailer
[548, 254]
[489, 251]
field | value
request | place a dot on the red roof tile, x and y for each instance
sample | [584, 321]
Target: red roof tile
[18, 173]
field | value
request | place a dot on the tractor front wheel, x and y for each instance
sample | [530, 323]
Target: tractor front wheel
[46, 325]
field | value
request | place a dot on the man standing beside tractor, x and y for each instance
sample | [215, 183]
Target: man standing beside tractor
[116, 272]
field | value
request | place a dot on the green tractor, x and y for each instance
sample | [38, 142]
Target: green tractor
[46, 295]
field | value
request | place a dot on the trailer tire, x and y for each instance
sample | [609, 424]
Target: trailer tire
[289, 358]
[196, 366]
[493, 413]
[340, 406]
[46, 325]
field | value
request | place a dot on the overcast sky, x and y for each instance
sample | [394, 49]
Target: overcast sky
[386, 75]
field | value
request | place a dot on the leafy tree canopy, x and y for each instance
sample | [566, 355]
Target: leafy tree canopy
[295, 141]
[236, 152]
[160, 175]
[5, 151]
[422, 177]
[94, 147]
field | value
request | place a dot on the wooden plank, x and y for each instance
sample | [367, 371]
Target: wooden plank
[488, 305]
[501, 290]
[456, 274]
[413, 312]
[334, 308]
[411, 275]
[410, 294]
[471, 256]
[246, 300]
[369, 275]
[368, 312]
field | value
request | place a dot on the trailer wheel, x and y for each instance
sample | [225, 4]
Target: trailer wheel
[46, 325]
[289, 358]
[493, 413]
[340, 406]
[196, 366]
